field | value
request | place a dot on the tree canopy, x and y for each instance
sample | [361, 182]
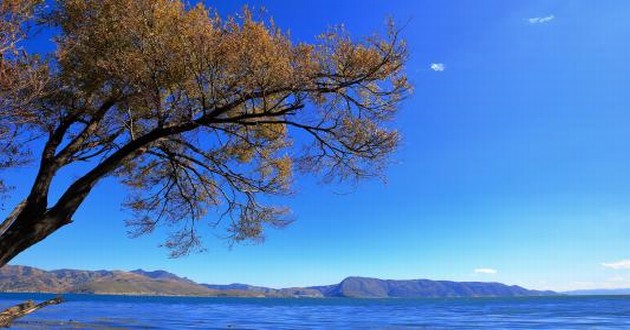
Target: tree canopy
[190, 110]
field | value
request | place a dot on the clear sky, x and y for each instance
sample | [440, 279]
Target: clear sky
[515, 164]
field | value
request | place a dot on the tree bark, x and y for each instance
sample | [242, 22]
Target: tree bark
[9, 220]
[26, 230]
[8, 315]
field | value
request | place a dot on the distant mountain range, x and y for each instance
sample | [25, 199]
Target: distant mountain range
[599, 292]
[138, 282]
[162, 283]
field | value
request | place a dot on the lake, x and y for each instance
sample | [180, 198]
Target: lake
[124, 312]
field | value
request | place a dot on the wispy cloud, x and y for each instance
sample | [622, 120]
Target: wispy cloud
[621, 264]
[541, 19]
[438, 67]
[485, 271]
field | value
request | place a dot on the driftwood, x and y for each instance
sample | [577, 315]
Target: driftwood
[8, 315]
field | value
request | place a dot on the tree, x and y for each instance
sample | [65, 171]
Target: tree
[191, 111]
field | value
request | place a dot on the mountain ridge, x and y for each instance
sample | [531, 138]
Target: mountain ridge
[162, 283]
[366, 287]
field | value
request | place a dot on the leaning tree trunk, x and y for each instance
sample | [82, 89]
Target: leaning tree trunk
[18, 233]
[8, 315]
[23, 228]
[24, 232]
[32, 221]
[35, 221]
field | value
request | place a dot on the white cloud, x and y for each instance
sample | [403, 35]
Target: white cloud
[621, 264]
[485, 271]
[438, 67]
[541, 19]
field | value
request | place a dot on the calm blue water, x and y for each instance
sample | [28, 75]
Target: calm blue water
[120, 312]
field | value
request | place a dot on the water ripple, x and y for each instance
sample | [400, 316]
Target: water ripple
[116, 312]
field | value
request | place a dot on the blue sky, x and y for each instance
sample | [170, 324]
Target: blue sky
[514, 165]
